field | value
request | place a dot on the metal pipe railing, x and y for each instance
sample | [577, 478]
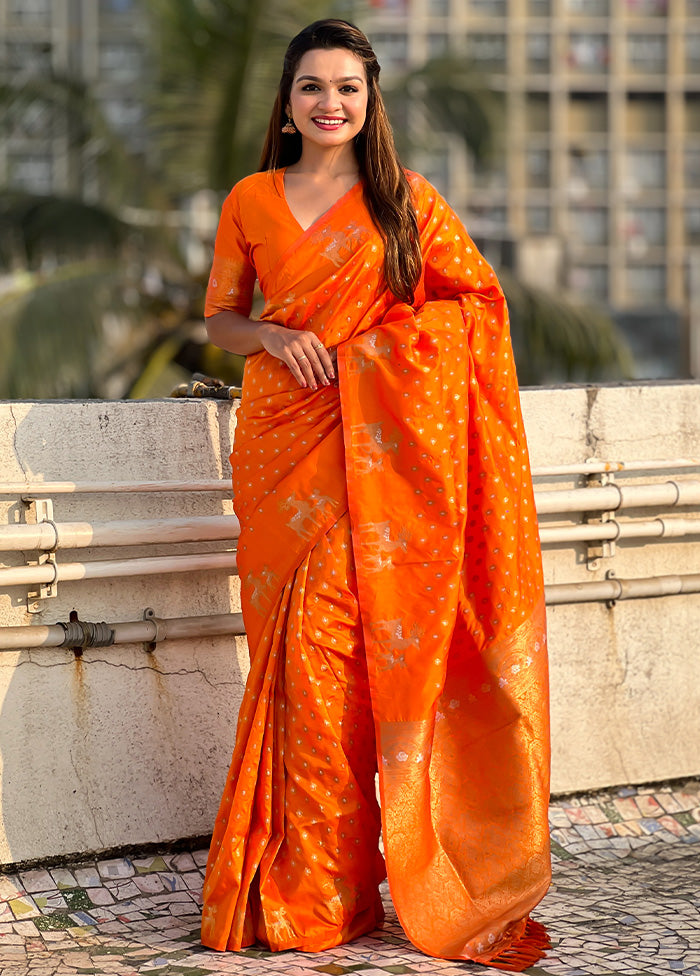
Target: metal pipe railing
[152, 630]
[49, 536]
[612, 589]
[608, 467]
[224, 484]
[108, 487]
[658, 528]
[113, 568]
[80, 535]
[610, 498]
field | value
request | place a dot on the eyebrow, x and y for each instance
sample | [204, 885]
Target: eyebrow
[339, 80]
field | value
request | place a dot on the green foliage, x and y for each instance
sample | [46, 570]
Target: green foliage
[555, 339]
[36, 227]
[51, 326]
[219, 63]
[457, 99]
[66, 105]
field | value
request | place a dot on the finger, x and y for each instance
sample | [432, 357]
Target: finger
[325, 362]
[294, 368]
[304, 364]
[318, 358]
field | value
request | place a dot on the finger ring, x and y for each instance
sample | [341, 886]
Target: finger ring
[299, 358]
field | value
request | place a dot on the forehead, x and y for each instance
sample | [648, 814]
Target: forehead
[330, 64]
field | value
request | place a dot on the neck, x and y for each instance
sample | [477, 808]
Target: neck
[331, 163]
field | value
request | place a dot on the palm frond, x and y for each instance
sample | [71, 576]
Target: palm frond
[32, 227]
[456, 99]
[68, 104]
[218, 66]
[51, 329]
[555, 339]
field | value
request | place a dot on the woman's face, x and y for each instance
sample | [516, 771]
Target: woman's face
[328, 98]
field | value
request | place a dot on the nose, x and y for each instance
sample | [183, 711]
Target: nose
[328, 100]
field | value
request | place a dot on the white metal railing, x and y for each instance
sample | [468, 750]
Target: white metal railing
[81, 535]
[613, 497]
[34, 488]
[613, 589]
[114, 568]
[594, 466]
[150, 630]
[612, 530]
[598, 501]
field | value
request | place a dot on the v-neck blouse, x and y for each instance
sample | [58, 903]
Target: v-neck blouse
[327, 213]
[256, 229]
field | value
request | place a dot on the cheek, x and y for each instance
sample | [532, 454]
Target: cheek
[361, 109]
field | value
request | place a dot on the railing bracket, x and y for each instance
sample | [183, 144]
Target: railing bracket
[43, 510]
[603, 548]
[159, 632]
[610, 575]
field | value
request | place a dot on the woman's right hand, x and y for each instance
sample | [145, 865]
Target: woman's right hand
[308, 360]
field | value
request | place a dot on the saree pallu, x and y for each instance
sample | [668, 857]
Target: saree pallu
[417, 462]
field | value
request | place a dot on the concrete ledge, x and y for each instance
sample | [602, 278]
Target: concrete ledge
[120, 747]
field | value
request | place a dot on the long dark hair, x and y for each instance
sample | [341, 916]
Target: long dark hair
[386, 189]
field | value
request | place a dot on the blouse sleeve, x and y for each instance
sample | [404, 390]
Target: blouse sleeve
[233, 274]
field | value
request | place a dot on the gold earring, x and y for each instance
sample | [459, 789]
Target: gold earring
[288, 127]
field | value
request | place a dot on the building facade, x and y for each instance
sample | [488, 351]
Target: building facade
[101, 44]
[601, 145]
[598, 175]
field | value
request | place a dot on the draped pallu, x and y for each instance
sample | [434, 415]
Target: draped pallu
[419, 454]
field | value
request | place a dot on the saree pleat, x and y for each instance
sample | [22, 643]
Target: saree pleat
[391, 516]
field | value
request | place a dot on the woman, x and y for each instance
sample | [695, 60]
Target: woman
[389, 561]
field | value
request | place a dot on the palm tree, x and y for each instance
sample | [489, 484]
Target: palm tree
[218, 64]
[554, 337]
[100, 295]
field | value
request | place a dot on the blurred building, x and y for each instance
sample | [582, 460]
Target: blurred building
[98, 43]
[602, 133]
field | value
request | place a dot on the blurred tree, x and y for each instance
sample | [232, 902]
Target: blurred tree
[218, 63]
[555, 337]
[97, 299]
[455, 98]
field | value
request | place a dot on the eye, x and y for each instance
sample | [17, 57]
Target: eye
[349, 89]
[310, 86]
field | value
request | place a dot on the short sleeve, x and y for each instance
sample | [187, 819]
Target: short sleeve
[232, 277]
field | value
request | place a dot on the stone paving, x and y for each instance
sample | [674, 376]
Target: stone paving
[625, 900]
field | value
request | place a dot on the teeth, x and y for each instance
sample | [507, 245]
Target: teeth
[329, 124]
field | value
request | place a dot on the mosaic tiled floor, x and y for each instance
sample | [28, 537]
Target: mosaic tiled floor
[625, 900]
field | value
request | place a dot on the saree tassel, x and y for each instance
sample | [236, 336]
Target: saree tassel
[525, 951]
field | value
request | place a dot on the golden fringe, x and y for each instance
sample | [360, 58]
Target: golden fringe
[524, 952]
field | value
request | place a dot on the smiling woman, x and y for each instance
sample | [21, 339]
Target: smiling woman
[328, 107]
[390, 568]
[329, 94]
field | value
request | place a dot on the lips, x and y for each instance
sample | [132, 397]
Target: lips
[328, 124]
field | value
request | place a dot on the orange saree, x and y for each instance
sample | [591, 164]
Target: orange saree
[393, 600]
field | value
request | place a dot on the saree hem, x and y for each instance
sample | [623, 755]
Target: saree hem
[347, 934]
